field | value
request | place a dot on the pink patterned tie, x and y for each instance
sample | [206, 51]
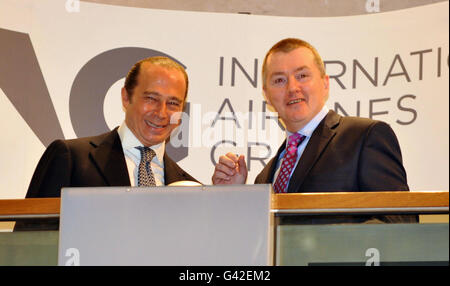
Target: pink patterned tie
[289, 159]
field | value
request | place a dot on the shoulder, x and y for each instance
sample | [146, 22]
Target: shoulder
[352, 122]
[372, 128]
[359, 124]
[372, 134]
[89, 142]
[356, 129]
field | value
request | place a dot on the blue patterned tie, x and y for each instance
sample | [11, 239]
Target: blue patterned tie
[145, 174]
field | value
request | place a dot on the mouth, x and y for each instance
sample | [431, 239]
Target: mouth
[298, 100]
[153, 125]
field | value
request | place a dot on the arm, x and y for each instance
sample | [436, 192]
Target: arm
[380, 166]
[52, 172]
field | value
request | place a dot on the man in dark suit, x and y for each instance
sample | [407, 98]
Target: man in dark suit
[324, 152]
[345, 154]
[133, 154]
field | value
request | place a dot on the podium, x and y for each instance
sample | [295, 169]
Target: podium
[358, 229]
[170, 226]
[303, 229]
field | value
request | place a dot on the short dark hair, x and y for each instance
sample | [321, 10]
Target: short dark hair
[288, 45]
[132, 76]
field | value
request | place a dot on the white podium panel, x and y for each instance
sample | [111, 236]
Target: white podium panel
[207, 225]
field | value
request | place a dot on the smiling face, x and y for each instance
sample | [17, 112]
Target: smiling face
[294, 86]
[152, 111]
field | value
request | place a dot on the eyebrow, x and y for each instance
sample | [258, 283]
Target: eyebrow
[296, 70]
[175, 98]
[152, 93]
[158, 94]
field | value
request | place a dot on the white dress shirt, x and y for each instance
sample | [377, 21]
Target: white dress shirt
[306, 131]
[133, 156]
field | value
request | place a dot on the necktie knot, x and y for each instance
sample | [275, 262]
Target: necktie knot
[293, 142]
[147, 153]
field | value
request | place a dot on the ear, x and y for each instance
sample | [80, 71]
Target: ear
[265, 96]
[326, 81]
[125, 98]
[269, 105]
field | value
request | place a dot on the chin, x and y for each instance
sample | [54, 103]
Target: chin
[296, 118]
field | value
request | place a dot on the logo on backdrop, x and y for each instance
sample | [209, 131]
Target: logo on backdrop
[94, 79]
[87, 94]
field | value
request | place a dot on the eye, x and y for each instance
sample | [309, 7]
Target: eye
[278, 80]
[174, 103]
[301, 76]
[150, 98]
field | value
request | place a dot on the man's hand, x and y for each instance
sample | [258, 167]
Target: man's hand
[231, 169]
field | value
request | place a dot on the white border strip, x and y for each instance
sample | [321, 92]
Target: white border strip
[363, 210]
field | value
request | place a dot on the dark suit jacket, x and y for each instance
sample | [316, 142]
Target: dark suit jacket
[89, 162]
[345, 154]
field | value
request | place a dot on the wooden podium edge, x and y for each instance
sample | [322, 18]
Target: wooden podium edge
[360, 200]
[30, 206]
[336, 200]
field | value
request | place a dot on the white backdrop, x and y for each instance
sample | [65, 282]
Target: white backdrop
[389, 66]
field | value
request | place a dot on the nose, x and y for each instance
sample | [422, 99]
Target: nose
[293, 85]
[161, 111]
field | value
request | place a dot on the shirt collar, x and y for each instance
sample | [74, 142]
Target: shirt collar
[129, 142]
[309, 128]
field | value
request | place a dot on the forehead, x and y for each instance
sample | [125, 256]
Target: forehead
[299, 57]
[153, 72]
[155, 76]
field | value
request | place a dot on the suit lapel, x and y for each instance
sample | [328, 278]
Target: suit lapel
[172, 173]
[316, 145]
[266, 175]
[108, 156]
